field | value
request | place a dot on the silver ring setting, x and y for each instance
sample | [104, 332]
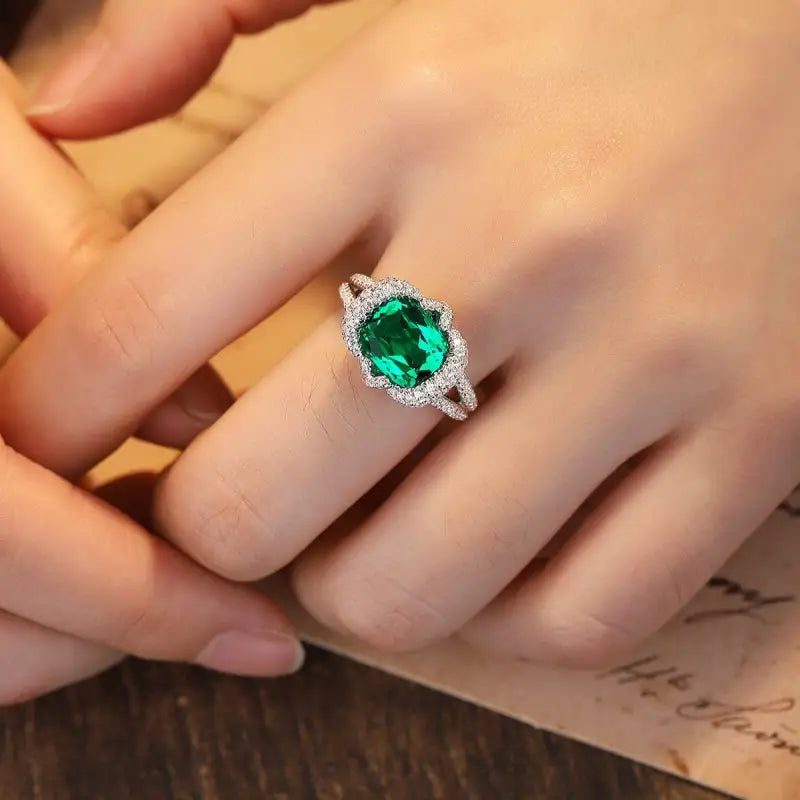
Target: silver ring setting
[406, 344]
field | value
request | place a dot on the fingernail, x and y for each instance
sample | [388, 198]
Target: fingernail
[59, 90]
[243, 653]
[204, 401]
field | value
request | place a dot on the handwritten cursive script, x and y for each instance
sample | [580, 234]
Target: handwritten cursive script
[747, 602]
[657, 679]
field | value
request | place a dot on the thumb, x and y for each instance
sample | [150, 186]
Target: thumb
[144, 59]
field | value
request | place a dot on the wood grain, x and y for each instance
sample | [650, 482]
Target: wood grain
[336, 730]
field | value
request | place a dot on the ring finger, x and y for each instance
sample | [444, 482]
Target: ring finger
[231, 499]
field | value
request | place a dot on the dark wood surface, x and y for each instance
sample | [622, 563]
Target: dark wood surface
[335, 730]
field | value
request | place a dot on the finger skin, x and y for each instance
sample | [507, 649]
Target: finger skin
[42, 256]
[35, 660]
[145, 59]
[53, 227]
[647, 549]
[312, 427]
[482, 505]
[232, 502]
[195, 275]
[111, 582]
[53, 230]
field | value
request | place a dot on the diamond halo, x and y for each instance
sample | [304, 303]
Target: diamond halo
[361, 296]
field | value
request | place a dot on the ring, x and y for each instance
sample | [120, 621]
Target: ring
[407, 344]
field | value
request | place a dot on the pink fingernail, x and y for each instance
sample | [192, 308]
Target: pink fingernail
[242, 653]
[59, 90]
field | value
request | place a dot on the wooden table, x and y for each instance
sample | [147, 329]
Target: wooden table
[336, 730]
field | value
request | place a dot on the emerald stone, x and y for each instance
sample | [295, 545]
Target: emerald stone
[404, 342]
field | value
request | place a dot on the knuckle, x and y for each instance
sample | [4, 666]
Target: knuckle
[211, 515]
[417, 97]
[684, 329]
[583, 640]
[120, 329]
[388, 617]
[385, 629]
[575, 240]
[671, 349]
[577, 213]
[676, 358]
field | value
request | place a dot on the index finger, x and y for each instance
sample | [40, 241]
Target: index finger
[212, 261]
[53, 228]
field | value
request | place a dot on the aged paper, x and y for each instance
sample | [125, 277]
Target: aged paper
[714, 697]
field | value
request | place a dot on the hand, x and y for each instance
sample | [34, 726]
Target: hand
[80, 581]
[607, 194]
[145, 58]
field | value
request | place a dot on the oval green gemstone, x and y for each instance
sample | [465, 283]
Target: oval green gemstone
[404, 342]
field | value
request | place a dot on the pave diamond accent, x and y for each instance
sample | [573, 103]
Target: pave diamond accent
[432, 391]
